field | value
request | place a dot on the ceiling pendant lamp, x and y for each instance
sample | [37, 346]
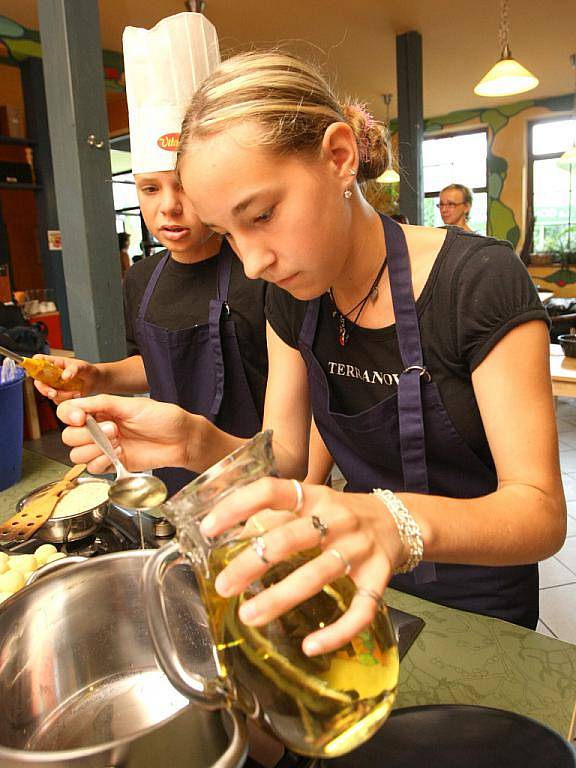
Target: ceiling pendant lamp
[507, 77]
[390, 176]
[568, 160]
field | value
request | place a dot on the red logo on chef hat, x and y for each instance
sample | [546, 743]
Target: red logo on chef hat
[169, 141]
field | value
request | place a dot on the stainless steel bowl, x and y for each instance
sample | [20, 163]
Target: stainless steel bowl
[79, 682]
[58, 530]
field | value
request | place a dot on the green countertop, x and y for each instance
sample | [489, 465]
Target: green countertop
[464, 658]
[458, 658]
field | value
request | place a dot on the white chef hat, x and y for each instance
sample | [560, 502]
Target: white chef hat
[163, 67]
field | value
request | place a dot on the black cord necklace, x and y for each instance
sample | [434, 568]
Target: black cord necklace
[342, 317]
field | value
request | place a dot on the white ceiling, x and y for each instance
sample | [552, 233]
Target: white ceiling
[355, 39]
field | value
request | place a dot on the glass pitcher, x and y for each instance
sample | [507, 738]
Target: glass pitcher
[322, 706]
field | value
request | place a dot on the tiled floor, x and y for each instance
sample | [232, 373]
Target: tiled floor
[558, 574]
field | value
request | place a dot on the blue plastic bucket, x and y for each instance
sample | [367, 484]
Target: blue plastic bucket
[11, 430]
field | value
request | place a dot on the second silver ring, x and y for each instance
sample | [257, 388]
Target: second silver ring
[339, 556]
[259, 546]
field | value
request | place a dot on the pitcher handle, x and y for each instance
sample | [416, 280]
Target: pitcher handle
[210, 693]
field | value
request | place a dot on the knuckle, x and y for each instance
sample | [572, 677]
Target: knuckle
[367, 544]
[267, 485]
[287, 538]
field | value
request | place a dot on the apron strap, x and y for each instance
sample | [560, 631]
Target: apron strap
[308, 328]
[410, 412]
[142, 309]
[216, 308]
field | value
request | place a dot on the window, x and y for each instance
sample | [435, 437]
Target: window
[127, 210]
[552, 189]
[126, 205]
[456, 159]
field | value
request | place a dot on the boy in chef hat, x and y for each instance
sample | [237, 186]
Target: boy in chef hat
[195, 324]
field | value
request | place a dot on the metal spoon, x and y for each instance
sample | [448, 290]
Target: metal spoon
[131, 490]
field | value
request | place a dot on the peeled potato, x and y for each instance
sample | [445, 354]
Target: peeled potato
[11, 581]
[4, 557]
[23, 563]
[55, 556]
[3, 566]
[43, 552]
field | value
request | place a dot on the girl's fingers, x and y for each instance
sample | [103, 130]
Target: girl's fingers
[279, 543]
[268, 492]
[265, 521]
[361, 613]
[300, 585]
[371, 577]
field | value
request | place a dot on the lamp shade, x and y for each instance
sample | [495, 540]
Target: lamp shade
[506, 78]
[388, 177]
[568, 160]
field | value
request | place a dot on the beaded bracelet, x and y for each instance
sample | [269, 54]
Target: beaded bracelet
[408, 528]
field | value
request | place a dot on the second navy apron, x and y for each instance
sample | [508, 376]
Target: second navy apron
[198, 368]
[407, 442]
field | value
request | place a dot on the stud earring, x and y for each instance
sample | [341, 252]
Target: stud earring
[347, 194]
[352, 172]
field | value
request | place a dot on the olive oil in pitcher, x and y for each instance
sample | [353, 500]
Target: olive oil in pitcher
[322, 706]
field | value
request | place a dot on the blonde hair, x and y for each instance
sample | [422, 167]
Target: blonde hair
[466, 192]
[291, 104]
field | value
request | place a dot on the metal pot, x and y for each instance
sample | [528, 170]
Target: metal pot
[79, 683]
[60, 530]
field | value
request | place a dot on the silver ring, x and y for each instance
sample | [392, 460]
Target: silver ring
[343, 560]
[371, 593]
[320, 526]
[299, 497]
[259, 546]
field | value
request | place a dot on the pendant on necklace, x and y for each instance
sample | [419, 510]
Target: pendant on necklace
[374, 295]
[343, 334]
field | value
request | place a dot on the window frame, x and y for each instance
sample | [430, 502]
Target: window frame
[531, 158]
[455, 134]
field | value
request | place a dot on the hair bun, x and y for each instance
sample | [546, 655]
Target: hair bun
[372, 139]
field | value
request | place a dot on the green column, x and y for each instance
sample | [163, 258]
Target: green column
[74, 80]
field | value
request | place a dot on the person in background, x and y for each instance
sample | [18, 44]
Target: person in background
[124, 245]
[422, 353]
[455, 205]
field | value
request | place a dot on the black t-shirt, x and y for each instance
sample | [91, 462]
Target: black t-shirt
[477, 291]
[181, 299]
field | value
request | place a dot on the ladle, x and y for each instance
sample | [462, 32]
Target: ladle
[135, 491]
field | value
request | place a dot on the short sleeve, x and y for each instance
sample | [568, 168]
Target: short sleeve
[285, 314]
[491, 293]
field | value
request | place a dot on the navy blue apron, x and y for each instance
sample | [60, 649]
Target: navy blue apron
[407, 442]
[198, 368]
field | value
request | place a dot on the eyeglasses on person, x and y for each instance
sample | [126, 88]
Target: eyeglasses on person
[450, 204]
